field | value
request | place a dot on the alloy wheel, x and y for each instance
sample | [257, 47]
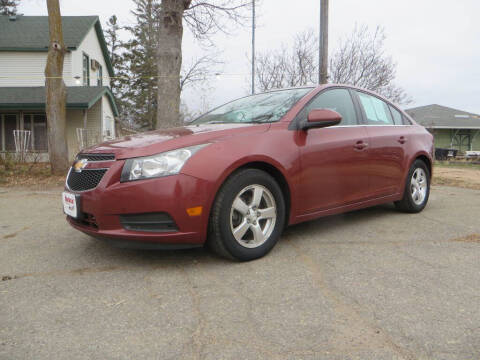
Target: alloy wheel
[418, 186]
[253, 216]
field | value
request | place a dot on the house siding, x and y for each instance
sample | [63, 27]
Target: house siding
[90, 46]
[107, 119]
[443, 139]
[74, 121]
[24, 68]
[94, 124]
[19, 68]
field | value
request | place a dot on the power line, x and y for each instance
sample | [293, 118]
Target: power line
[150, 77]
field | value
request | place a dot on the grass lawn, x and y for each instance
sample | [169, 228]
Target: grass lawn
[457, 164]
[459, 174]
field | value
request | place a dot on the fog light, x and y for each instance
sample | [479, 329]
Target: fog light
[195, 211]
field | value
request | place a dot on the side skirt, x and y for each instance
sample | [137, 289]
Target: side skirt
[346, 208]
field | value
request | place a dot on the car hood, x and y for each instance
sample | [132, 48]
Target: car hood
[157, 141]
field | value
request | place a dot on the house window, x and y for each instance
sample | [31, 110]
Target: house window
[86, 70]
[100, 76]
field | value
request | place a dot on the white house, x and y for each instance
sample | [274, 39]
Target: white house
[87, 70]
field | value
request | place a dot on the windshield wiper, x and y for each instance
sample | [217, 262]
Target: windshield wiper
[261, 119]
[219, 122]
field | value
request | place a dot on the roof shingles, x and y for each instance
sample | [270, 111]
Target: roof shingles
[78, 97]
[31, 32]
[442, 117]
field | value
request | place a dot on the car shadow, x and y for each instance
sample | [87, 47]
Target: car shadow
[328, 223]
[189, 257]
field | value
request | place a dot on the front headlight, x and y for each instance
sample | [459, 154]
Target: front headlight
[163, 164]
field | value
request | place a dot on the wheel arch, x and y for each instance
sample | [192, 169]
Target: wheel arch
[424, 156]
[269, 168]
[426, 159]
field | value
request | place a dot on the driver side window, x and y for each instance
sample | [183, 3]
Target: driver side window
[338, 100]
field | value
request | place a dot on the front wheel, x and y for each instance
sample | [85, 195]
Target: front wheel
[248, 216]
[417, 189]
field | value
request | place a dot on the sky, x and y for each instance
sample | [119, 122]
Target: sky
[435, 43]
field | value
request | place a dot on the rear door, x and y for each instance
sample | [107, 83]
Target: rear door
[334, 159]
[388, 138]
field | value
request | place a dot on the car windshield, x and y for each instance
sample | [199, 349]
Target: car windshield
[261, 108]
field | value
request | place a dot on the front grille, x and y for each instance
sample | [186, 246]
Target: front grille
[151, 222]
[86, 180]
[96, 157]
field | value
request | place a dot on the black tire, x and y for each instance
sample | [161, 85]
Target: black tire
[408, 204]
[220, 238]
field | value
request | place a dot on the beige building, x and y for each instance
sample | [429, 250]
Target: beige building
[91, 108]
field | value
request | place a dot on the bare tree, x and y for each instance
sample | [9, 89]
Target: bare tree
[8, 7]
[199, 69]
[203, 18]
[56, 91]
[360, 60]
[288, 66]
[136, 65]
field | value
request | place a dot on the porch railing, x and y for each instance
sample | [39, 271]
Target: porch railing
[87, 138]
[22, 144]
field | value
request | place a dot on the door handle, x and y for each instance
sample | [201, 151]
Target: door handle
[402, 140]
[360, 145]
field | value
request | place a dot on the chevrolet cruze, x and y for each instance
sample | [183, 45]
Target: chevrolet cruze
[237, 176]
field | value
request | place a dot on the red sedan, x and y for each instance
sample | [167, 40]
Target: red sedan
[236, 176]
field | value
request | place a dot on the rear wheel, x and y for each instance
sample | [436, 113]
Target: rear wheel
[417, 189]
[248, 216]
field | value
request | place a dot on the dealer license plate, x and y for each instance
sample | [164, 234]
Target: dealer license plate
[70, 204]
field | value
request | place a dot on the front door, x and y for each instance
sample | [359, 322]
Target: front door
[335, 159]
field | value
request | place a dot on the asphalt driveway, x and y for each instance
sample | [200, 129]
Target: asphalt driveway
[372, 284]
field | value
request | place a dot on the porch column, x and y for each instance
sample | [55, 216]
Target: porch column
[454, 135]
[472, 139]
[85, 136]
[85, 119]
[2, 140]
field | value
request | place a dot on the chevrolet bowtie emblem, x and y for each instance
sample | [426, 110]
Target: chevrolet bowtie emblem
[80, 165]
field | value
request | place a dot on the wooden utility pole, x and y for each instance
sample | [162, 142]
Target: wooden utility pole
[56, 92]
[323, 48]
[253, 47]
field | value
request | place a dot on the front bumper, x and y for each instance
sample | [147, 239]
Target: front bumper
[171, 194]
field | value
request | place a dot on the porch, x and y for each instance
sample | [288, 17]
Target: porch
[90, 119]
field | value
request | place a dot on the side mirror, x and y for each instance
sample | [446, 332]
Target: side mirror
[319, 118]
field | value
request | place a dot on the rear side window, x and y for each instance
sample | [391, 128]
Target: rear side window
[376, 110]
[397, 117]
[338, 100]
